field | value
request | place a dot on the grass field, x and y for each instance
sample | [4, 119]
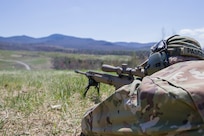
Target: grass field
[43, 101]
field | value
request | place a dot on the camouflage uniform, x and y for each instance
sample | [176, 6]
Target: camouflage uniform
[168, 103]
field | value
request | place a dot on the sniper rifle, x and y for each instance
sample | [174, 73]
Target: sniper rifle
[125, 75]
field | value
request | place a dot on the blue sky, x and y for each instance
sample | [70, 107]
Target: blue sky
[110, 20]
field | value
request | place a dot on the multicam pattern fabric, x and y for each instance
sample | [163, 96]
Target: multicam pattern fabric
[167, 103]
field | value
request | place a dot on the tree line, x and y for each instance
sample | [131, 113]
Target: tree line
[64, 62]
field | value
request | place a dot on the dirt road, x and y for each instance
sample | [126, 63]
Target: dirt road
[19, 62]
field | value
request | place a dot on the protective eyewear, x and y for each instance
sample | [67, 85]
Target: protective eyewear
[158, 47]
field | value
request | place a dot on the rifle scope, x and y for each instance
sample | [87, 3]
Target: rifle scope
[123, 70]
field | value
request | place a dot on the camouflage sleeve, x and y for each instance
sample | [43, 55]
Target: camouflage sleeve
[113, 113]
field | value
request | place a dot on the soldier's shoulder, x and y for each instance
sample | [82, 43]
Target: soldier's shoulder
[181, 67]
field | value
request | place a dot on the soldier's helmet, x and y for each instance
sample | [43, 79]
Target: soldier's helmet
[182, 48]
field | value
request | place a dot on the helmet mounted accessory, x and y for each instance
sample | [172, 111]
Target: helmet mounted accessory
[175, 45]
[158, 58]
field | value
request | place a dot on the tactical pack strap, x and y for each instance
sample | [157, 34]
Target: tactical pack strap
[186, 51]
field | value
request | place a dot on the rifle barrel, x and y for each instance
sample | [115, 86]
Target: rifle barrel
[80, 72]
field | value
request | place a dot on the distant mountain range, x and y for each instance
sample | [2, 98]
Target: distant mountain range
[58, 42]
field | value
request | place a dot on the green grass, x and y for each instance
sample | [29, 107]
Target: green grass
[44, 102]
[36, 60]
[10, 65]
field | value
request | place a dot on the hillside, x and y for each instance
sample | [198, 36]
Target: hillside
[58, 42]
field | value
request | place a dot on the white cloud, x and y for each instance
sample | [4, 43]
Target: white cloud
[201, 36]
[197, 34]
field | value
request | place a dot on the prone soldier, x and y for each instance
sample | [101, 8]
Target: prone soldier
[169, 100]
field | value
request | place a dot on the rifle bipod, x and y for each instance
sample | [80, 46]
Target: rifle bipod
[94, 83]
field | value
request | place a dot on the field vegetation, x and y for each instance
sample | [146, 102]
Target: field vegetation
[47, 100]
[44, 102]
